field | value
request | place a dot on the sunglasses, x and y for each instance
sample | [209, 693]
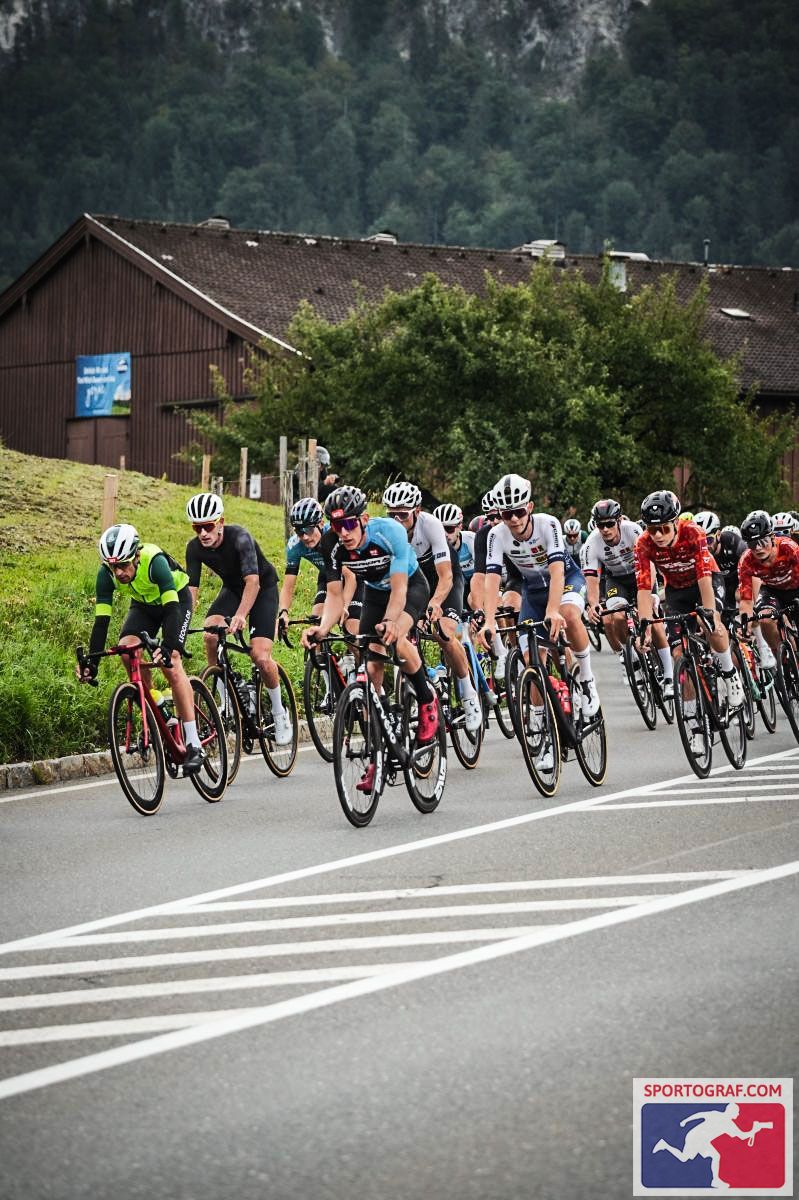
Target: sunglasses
[345, 524]
[204, 526]
[761, 543]
[606, 524]
[508, 514]
[399, 514]
[452, 528]
[667, 528]
[300, 530]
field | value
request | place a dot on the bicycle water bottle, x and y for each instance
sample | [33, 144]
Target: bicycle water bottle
[164, 702]
[251, 698]
[347, 665]
[562, 690]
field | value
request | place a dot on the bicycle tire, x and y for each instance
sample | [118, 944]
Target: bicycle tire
[211, 780]
[227, 703]
[591, 741]
[594, 636]
[767, 703]
[279, 758]
[467, 743]
[788, 685]
[749, 704]
[640, 683]
[514, 669]
[540, 730]
[657, 677]
[496, 685]
[426, 772]
[733, 736]
[685, 676]
[319, 702]
[358, 742]
[141, 770]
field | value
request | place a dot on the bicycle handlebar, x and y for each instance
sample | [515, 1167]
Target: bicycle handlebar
[145, 642]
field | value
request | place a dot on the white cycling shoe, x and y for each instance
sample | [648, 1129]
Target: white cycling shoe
[668, 689]
[545, 760]
[734, 689]
[590, 699]
[283, 730]
[767, 659]
[473, 713]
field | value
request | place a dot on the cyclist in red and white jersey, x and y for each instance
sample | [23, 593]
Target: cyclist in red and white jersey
[775, 562]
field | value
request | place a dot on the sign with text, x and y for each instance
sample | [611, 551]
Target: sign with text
[102, 385]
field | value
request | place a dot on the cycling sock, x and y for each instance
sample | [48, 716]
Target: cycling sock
[424, 693]
[666, 662]
[466, 688]
[761, 641]
[724, 660]
[499, 646]
[190, 734]
[583, 657]
[276, 700]
[524, 643]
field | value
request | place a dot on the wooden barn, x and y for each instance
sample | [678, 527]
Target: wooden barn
[145, 308]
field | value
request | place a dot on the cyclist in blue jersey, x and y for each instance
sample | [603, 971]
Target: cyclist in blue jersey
[376, 550]
[308, 522]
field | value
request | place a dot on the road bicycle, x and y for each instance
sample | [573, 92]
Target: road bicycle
[644, 672]
[787, 668]
[550, 714]
[245, 705]
[147, 743]
[325, 676]
[374, 745]
[467, 743]
[759, 682]
[700, 701]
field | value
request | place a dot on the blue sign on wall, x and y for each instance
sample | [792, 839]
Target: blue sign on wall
[102, 387]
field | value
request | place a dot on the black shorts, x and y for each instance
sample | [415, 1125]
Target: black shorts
[684, 600]
[452, 604]
[262, 617]
[778, 599]
[620, 590]
[149, 618]
[375, 603]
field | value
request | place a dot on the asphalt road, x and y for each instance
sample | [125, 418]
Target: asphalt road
[254, 999]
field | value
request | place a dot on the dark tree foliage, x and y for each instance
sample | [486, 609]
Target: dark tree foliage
[691, 131]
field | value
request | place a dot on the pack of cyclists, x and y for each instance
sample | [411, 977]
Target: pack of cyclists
[381, 576]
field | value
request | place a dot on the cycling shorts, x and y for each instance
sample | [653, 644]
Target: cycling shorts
[679, 601]
[149, 617]
[535, 600]
[375, 603]
[778, 598]
[262, 617]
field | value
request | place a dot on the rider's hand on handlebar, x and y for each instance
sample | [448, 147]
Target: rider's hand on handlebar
[434, 611]
[282, 622]
[388, 632]
[310, 635]
[87, 672]
[237, 623]
[163, 657]
[557, 624]
[592, 612]
[485, 638]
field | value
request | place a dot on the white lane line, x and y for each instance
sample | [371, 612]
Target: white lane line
[698, 801]
[124, 1027]
[360, 859]
[429, 913]
[433, 891]
[190, 987]
[309, 1002]
[273, 950]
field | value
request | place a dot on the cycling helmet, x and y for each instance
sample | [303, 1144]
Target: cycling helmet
[512, 491]
[402, 495]
[736, 529]
[448, 514]
[306, 512]
[476, 523]
[784, 524]
[659, 507]
[756, 526]
[488, 503]
[119, 544]
[708, 522]
[572, 527]
[205, 506]
[322, 456]
[591, 525]
[345, 502]
[606, 510]
[686, 516]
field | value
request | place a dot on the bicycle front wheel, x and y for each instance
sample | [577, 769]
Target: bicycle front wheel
[467, 743]
[591, 743]
[514, 668]
[540, 740]
[226, 702]
[499, 705]
[426, 769]
[359, 755]
[281, 755]
[788, 685]
[692, 718]
[319, 702]
[211, 779]
[739, 661]
[767, 703]
[640, 683]
[136, 750]
[733, 733]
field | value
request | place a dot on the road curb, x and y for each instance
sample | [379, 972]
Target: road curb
[46, 771]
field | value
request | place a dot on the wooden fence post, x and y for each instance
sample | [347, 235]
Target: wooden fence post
[313, 469]
[284, 479]
[302, 468]
[109, 512]
[243, 472]
[206, 475]
[122, 462]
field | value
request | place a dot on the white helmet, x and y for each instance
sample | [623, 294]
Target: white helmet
[448, 514]
[512, 491]
[205, 506]
[736, 529]
[784, 523]
[708, 522]
[402, 495]
[572, 526]
[119, 544]
[488, 502]
[322, 456]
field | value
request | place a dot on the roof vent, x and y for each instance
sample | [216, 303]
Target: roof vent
[541, 247]
[738, 314]
[216, 222]
[629, 255]
[384, 237]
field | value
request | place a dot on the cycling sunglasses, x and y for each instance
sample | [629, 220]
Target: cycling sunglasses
[759, 543]
[345, 524]
[452, 528]
[301, 529]
[400, 514]
[606, 524]
[507, 514]
[204, 526]
[664, 528]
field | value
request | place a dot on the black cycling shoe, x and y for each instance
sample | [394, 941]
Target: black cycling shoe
[194, 760]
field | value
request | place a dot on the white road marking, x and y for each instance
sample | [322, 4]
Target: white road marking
[698, 801]
[309, 1002]
[123, 1027]
[578, 806]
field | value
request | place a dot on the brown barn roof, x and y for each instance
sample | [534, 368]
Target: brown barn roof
[253, 281]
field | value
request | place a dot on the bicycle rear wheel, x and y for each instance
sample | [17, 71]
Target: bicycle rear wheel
[733, 734]
[136, 750]
[426, 771]
[319, 701]
[591, 746]
[211, 779]
[767, 702]
[514, 669]
[692, 721]
[226, 702]
[496, 684]
[788, 685]
[280, 757]
[739, 661]
[640, 683]
[540, 740]
[467, 743]
[358, 752]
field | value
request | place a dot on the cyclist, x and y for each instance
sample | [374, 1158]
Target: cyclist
[510, 585]
[438, 562]
[554, 587]
[247, 598]
[775, 562]
[574, 537]
[785, 524]
[159, 600]
[679, 550]
[396, 595]
[610, 553]
[461, 540]
[308, 522]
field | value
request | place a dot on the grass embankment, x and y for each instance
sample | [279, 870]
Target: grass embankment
[49, 526]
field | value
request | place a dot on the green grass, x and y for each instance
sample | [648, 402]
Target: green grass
[49, 526]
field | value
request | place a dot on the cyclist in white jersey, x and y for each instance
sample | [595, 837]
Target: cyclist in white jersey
[439, 564]
[609, 553]
[554, 585]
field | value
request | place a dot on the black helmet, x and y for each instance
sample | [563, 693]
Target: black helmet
[659, 507]
[606, 510]
[756, 526]
[345, 502]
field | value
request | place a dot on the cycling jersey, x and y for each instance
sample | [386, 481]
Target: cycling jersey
[238, 555]
[511, 577]
[158, 598]
[532, 555]
[465, 551]
[599, 557]
[384, 551]
[296, 551]
[781, 575]
[681, 564]
[429, 541]
[574, 549]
